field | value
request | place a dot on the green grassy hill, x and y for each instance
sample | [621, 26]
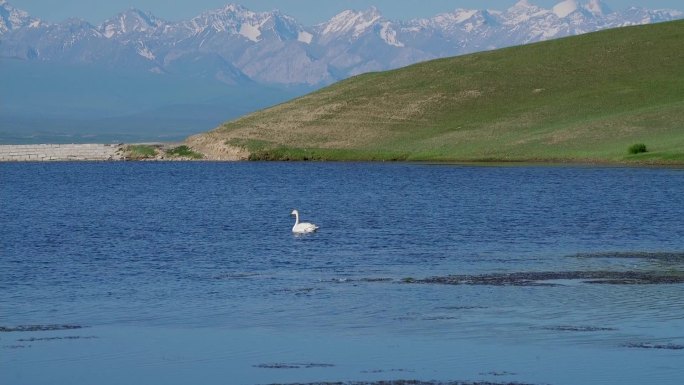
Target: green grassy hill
[583, 98]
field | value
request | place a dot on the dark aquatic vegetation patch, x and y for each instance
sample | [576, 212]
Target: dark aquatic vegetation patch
[277, 366]
[646, 345]
[546, 278]
[440, 318]
[16, 346]
[542, 278]
[281, 365]
[38, 328]
[376, 280]
[408, 382]
[566, 328]
[660, 256]
[366, 280]
[314, 365]
[512, 279]
[375, 371]
[640, 280]
[499, 374]
[34, 339]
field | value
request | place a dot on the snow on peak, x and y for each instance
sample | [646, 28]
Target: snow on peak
[227, 19]
[389, 35]
[253, 26]
[564, 8]
[352, 21]
[251, 32]
[233, 8]
[305, 37]
[145, 52]
[461, 15]
[130, 21]
[523, 8]
[233, 11]
[597, 8]
[12, 18]
[523, 11]
[463, 20]
[457, 17]
[523, 4]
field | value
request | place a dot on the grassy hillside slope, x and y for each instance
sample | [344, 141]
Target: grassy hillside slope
[583, 98]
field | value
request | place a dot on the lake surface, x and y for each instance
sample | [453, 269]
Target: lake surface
[188, 273]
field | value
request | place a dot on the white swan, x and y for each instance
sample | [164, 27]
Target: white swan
[304, 227]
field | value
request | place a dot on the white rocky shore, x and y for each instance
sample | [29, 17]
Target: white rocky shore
[60, 152]
[91, 152]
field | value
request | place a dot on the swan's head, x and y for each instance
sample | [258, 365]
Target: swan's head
[294, 212]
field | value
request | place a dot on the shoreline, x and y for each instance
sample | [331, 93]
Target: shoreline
[61, 152]
[90, 152]
[94, 152]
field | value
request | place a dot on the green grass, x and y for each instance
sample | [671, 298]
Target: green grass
[140, 151]
[579, 99]
[324, 154]
[184, 151]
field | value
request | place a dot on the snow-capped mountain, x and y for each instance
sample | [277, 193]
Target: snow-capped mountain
[12, 18]
[234, 45]
[350, 24]
[236, 20]
[129, 23]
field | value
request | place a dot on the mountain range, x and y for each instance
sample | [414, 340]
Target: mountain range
[234, 44]
[74, 76]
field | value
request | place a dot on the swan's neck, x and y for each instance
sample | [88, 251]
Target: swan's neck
[296, 219]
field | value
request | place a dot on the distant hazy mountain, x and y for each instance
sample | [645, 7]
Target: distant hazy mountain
[233, 44]
[135, 64]
[43, 102]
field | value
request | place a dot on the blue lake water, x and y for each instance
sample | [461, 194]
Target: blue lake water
[188, 273]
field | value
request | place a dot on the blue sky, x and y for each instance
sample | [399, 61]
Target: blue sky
[308, 12]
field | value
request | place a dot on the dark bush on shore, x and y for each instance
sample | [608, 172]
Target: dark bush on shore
[637, 148]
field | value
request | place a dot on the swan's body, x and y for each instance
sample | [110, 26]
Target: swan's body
[304, 227]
